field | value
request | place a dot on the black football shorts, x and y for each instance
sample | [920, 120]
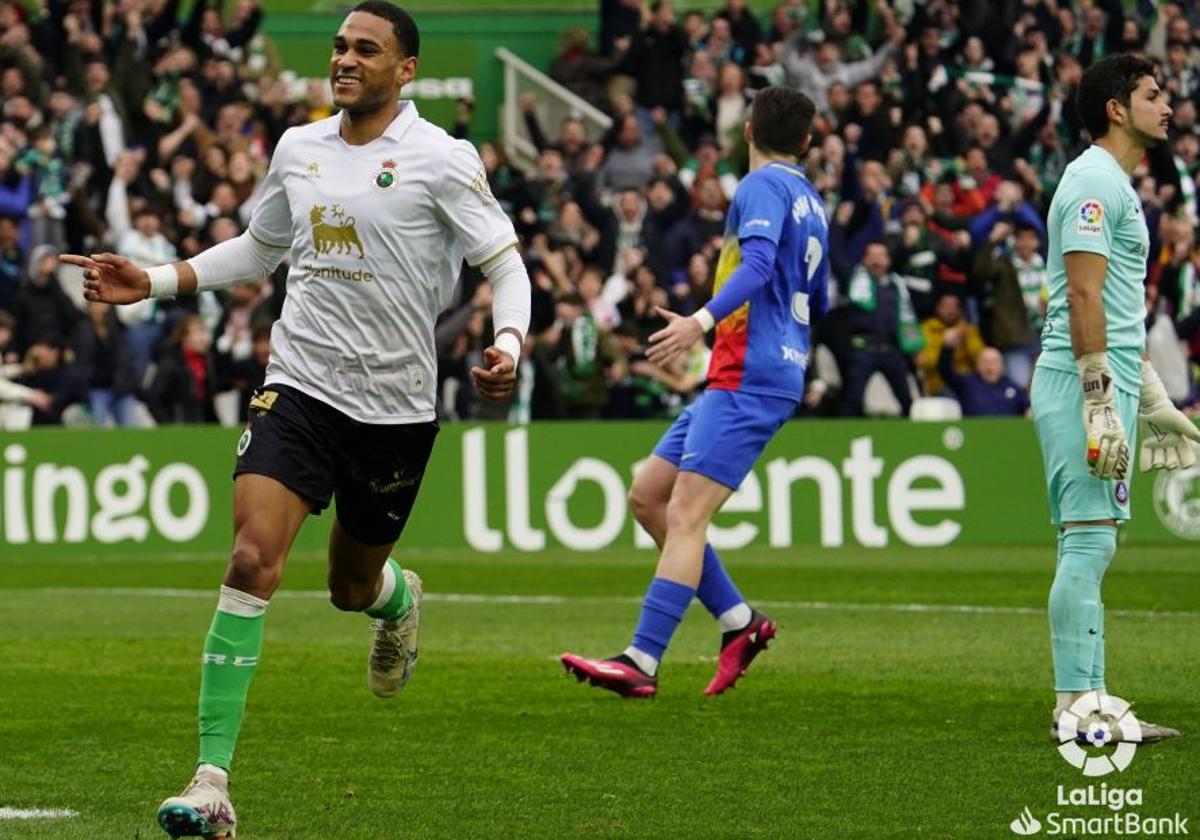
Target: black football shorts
[373, 471]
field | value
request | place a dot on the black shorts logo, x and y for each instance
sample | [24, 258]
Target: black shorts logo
[398, 481]
[264, 400]
[244, 442]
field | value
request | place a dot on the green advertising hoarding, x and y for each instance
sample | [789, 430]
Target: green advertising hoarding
[828, 483]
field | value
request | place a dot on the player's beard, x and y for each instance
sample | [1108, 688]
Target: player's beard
[1147, 140]
[371, 100]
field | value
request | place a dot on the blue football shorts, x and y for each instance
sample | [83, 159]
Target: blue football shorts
[722, 433]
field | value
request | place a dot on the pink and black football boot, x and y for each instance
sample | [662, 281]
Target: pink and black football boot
[618, 674]
[738, 649]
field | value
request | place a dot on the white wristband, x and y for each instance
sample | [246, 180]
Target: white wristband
[507, 342]
[707, 322]
[164, 280]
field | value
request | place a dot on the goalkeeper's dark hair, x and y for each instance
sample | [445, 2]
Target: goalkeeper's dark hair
[1113, 77]
[781, 121]
[404, 27]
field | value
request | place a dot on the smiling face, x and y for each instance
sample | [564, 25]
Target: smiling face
[368, 66]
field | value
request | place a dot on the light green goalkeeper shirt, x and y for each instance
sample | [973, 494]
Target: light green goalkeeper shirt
[1095, 209]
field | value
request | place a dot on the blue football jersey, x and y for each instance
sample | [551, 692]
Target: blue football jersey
[763, 347]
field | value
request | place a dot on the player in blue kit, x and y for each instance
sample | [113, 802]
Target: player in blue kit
[770, 279]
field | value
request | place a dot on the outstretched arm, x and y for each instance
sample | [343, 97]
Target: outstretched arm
[758, 258]
[254, 254]
[114, 279]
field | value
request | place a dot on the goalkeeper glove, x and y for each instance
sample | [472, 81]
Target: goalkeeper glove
[1165, 432]
[1107, 446]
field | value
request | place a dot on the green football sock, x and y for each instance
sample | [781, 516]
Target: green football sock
[394, 599]
[1076, 613]
[231, 653]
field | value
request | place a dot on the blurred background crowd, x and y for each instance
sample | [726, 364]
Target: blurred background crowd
[943, 127]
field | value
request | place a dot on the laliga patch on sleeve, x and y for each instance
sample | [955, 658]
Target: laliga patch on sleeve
[1089, 218]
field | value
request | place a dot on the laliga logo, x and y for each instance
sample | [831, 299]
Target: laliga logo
[1091, 212]
[1177, 501]
[1099, 720]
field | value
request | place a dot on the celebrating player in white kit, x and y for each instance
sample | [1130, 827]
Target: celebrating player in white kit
[379, 208]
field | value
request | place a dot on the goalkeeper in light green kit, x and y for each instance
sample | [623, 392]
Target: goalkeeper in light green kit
[1092, 366]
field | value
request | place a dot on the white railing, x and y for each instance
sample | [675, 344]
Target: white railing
[554, 104]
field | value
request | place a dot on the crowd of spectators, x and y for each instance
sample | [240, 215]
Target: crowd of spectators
[140, 128]
[942, 130]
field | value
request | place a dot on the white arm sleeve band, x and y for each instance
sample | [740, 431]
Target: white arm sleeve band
[510, 299]
[237, 260]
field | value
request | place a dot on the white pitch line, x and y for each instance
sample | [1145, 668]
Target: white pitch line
[544, 600]
[37, 813]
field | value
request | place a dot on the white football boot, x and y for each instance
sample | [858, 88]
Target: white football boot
[1099, 728]
[394, 649]
[202, 810]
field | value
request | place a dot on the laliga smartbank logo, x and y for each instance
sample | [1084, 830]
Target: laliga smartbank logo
[1086, 730]
[1099, 720]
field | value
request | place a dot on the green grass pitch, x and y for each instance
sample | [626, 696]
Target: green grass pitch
[864, 719]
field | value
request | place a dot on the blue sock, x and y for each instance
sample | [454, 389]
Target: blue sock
[1076, 612]
[717, 591]
[662, 609]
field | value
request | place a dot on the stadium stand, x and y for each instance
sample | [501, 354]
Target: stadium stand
[943, 128]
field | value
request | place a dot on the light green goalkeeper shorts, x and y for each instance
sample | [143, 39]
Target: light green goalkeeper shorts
[1075, 494]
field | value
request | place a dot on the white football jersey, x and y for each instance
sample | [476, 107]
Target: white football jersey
[378, 234]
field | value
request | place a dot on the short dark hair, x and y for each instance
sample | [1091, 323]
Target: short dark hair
[781, 120]
[404, 27]
[1113, 77]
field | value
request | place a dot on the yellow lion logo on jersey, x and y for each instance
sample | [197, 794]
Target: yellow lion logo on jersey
[326, 237]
